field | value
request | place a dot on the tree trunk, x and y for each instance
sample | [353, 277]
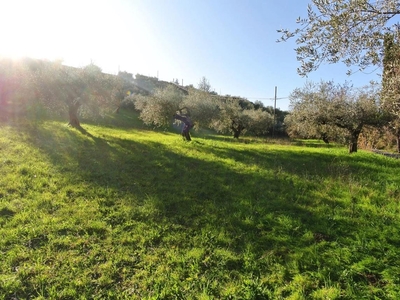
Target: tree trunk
[352, 147]
[73, 113]
[236, 130]
[324, 137]
[353, 142]
[398, 143]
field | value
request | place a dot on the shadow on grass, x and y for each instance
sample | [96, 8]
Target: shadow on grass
[326, 164]
[198, 194]
[275, 210]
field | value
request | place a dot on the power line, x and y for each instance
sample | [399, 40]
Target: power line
[257, 98]
[273, 99]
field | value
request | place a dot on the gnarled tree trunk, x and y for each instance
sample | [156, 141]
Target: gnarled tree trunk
[73, 113]
[353, 141]
[237, 129]
[324, 137]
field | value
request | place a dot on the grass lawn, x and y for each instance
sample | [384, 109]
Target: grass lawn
[126, 213]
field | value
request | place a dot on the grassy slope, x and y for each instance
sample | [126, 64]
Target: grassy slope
[129, 213]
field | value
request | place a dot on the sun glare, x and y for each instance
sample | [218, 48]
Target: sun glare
[26, 29]
[112, 34]
[74, 31]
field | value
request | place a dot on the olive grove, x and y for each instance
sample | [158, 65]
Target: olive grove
[200, 109]
[334, 111]
[80, 91]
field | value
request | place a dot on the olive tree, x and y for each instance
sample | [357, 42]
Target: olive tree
[300, 126]
[343, 30]
[341, 106]
[238, 116]
[231, 119]
[195, 109]
[81, 91]
[306, 104]
[200, 109]
[260, 121]
[203, 107]
[352, 110]
[159, 108]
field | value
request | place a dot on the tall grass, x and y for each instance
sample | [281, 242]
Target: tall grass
[125, 213]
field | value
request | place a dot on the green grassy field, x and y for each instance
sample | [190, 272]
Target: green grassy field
[126, 213]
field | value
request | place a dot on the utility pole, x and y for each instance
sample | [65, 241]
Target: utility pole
[273, 125]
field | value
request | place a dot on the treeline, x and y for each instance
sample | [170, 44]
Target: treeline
[31, 88]
[367, 116]
[343, 114]
[34, 88]
[161, 103]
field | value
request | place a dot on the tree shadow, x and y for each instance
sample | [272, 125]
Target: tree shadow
[265, 210]
[327, 164]
[193, 192]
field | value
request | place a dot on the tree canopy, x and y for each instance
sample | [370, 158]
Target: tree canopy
[203, 109]
[85, 91]
[159, 108]
[343, 30]
[322, 107]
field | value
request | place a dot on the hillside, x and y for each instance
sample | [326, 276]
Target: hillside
[125, 213]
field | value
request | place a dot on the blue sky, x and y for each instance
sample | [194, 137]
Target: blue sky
[230, 42]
